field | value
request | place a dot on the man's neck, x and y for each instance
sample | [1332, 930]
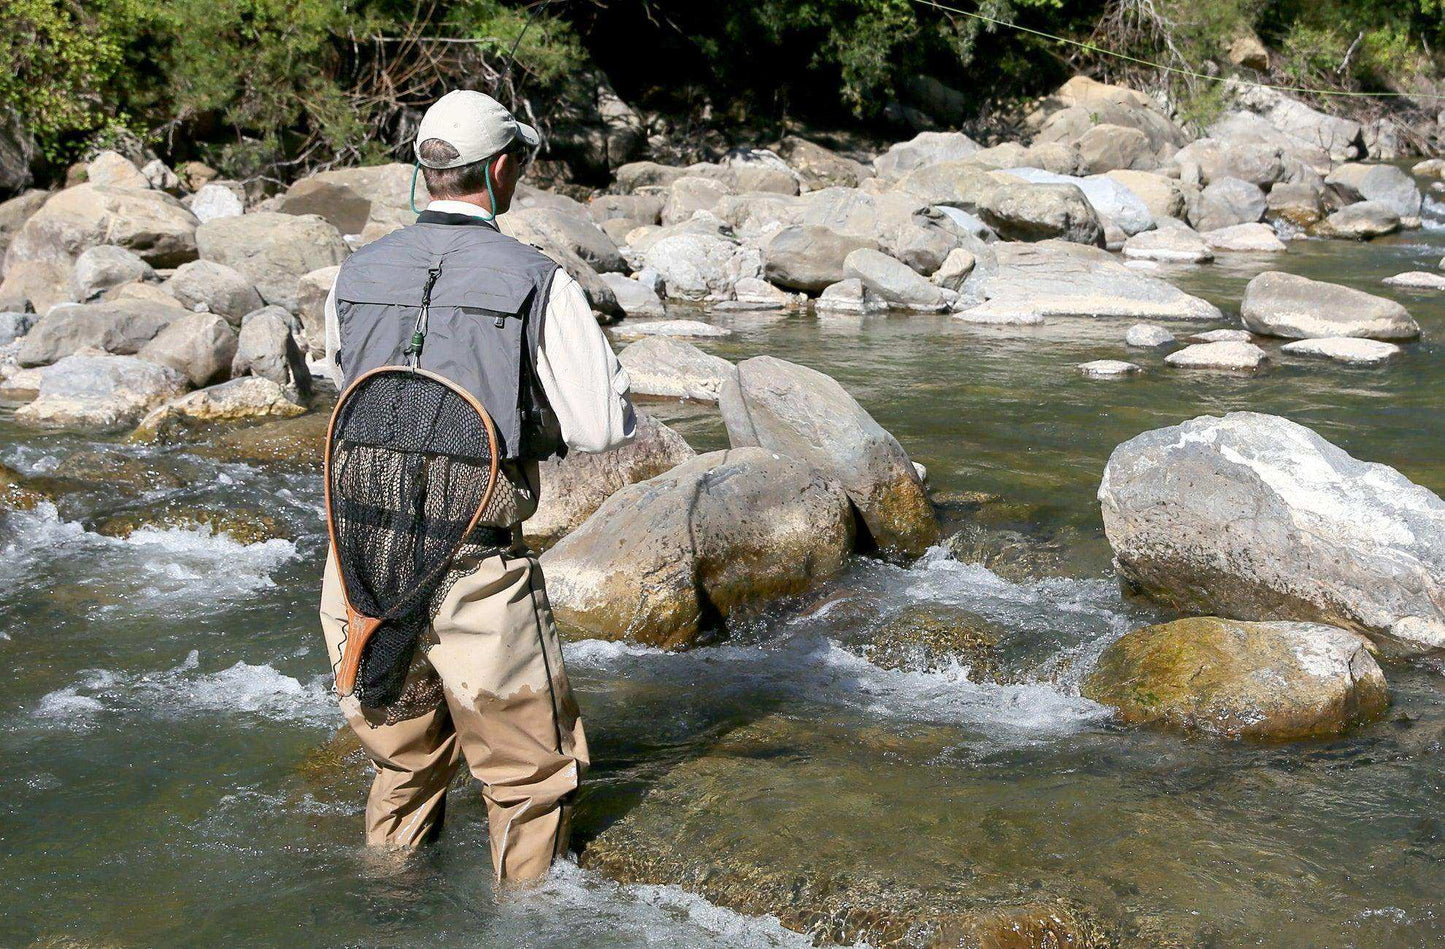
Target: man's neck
[469, 206]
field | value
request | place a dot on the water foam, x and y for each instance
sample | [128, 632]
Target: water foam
[183, 691]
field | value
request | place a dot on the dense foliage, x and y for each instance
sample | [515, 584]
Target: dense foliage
[263, 86]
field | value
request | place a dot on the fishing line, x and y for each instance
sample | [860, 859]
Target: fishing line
[1346, 93]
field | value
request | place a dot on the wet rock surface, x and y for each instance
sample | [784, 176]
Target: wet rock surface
[1272, 680]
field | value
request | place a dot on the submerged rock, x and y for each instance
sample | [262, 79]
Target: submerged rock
[116, 470]
[1148, 336]
[818, 825]
[663, 366]
[663, 560]
[1282, 304]
[241, 524]
[575, 486]
[804, 414]
[1254, 517]
[1109, 368]
[1272, 680]
[294, 441]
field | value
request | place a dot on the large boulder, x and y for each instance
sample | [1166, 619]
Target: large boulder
[572, 488]
[35, 285]
[818, 167]
[804, 414]
[1057, 278]
[690, 194]
[1160, 194]
[217, 200]
[1275, 681]
[1300, 203]
[1246, 238]
[114, 169]
[894, 282]
[312, 291]
[215, 288]
[198, 345]
[1247, 131]
[1339, 138]
[701, 267]
[1083, 103]
[120, 327]
[104, 266]
[1295, 307]
[1228, 201]
[926, 148]
[1112, 201]
[1207, 159]
[662, 560]
[558, 233]
[266, 348]
[152, 223]
[1016, 208]
[673, 368]
[809, 257]
[375, 199]
[99, 392]
[633, 296]
[1383, 184]
[272, 250]
[1111, 147]
[13, 215]
[904, 226]
[1255, 517]
[1362, 221]
[1178, 243]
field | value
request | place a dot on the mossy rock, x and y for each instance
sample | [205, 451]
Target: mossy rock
[243, 525]
[20, 492]
[119, 470]
[295, 441]
[1013, 555]
[1270, 680]
[929, 636]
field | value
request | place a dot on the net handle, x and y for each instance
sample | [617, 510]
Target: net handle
[356, 640]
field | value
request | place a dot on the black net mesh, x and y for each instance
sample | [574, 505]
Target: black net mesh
[411, 463]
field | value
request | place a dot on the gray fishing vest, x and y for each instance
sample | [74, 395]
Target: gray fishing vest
[487, 299]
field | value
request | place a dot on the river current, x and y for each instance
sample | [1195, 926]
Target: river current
[165, 715]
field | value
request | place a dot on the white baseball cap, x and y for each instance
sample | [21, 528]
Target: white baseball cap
[476, 125]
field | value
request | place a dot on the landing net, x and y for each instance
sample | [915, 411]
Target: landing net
[411, 467]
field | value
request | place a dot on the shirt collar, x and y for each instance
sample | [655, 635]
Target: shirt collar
[458, 207]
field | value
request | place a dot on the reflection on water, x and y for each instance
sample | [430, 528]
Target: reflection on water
[164, 698]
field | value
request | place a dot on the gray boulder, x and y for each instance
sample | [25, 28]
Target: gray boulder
[120, 327]
[1360, 222]
[1112, 147]
[635, 297]
[1161, 195]
[702, 267]
[849, 297]
[272, 250]
[1082, 103]
[804, 414]
[1299, 204]
[1207, 160]
[99, 268]
[114, 169]
[1228, 201]
[1382, 184]
[560, 233]
[893, 281]
[1254, 517]
[1148, 336]
[1112, 200]
[639, 208]
[1281, 304]
[1016, 208]
[809, 257]
[1347, 350]
[1174, 244]
[572, 488]
[152, 223]
[215, 288]
[818, 167]
[312, 291]
[215, 201]
[378, 197]
[199, 345]
[15, 212]
[1057, 278]
[1247, 238]
[661, 561]
[926, 148]
[99, 392]
[670, 367]
[266, 348]
[1338, 138]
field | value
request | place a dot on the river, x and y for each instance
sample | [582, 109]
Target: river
[165, 708]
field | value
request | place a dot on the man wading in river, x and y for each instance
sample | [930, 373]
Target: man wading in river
[486, 682]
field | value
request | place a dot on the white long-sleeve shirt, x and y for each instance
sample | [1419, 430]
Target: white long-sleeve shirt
[584, 383]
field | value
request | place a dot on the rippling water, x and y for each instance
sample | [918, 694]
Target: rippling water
[165, 714]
